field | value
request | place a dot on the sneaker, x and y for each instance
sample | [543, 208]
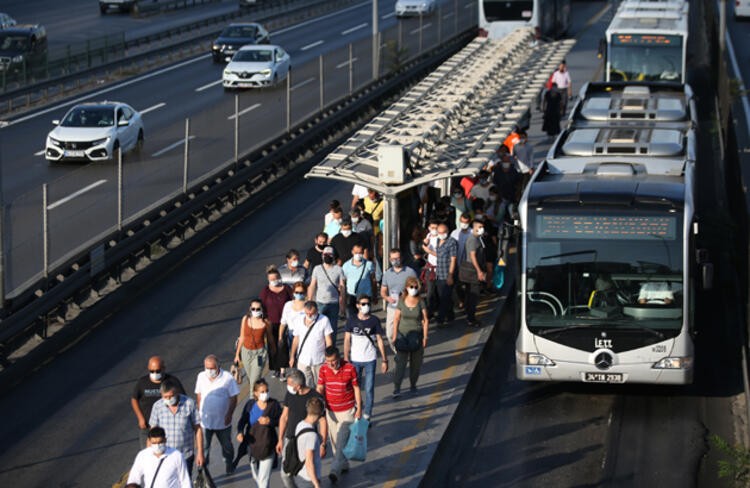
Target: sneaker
[474, 323]
[230, 468]
[334, 479]
[396, 393]
[413, 390]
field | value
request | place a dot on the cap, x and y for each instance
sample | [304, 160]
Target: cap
[328, 250]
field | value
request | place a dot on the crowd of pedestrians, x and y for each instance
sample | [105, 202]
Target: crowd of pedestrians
[292, 329]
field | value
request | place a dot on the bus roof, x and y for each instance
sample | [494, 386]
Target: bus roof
[650, 17]
[628, 102]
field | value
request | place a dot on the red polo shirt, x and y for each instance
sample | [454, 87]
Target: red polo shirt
[339, 386]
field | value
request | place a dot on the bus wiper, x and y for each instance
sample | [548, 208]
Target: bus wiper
[567, 254]
[565, 329]
[655, 332]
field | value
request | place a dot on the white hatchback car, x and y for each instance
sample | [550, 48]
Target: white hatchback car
[742, 9]
[94, 132]
[406, 8]
[256, 66]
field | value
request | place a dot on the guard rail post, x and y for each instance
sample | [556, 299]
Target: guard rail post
[320, 75]
[375, 45]
[440, 25]
[289, 101]
[236, 130]
[420, 32]
[45, 232]
[351, 69]
[119, 189]
[88, 52]
[185, 157]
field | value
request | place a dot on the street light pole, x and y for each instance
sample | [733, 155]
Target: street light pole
[375, 47]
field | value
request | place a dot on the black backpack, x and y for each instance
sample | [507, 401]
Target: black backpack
[292, 464]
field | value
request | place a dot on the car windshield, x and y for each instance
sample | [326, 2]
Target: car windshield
[254, 56]
[645, 58]
[596, 269]
[238, 31]
[13, 43]
[89, 117]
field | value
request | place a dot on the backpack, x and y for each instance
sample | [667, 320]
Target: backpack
[292, 464]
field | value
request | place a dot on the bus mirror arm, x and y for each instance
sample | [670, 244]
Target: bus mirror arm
[706, 269]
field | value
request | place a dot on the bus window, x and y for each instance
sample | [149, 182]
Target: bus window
[501, 10]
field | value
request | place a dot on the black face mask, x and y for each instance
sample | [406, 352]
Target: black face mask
[328, 259]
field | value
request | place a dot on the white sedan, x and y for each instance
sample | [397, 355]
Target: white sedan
[406, 8]
[256, 66]
[94, 132]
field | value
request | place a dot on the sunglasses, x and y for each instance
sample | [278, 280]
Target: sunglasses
[256, 309]
[299, 291]
[154, 371]
[364, 303]
[414, 288]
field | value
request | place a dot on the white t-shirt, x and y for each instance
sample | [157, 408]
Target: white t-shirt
[657, 292]
[215, 397]
[306, 442]
[432, 258]
[313, 352]
[288, 314]
[561, 79]
[172, 474]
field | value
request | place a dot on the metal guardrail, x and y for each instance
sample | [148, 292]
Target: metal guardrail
[50, 315]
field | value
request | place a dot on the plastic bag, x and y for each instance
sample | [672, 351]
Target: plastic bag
[356, 446]
[498, 275]
[203, 479]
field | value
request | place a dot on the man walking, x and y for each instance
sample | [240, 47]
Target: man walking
[177, 415]
[445, 252]
[147, 392]
[159, 466]
[339, 386]
[394, 282]
[312, 334]
[561, 78]
[216, 394]
[309, 445]
[360, 278]
[476, 257]
[327, 288]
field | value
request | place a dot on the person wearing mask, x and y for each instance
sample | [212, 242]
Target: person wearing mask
[254, 342]
[327, 288]
[343, 242]
[482, 188]
[310, 445]
[334, 226]
[428, 275]
[146, 393]
[561, 80]
[257, 428]
[339, 386]
[524, 154]
[216, 394]
[474, 271]
[292, 309]
[551, 106]
[461, 204]
[363, 227]
[393, 285]
[410, 316]
[315, 254]
[359, 277]
[178, 416]
[292, 271]
[312, 334]
[460, 235]
[362, 342]
[297, 396]
[507, 182]
[331, 214]
[445, 253]
[273, 297]
[159, 466]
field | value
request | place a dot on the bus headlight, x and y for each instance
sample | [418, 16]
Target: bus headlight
[534, 359]
[674, 363]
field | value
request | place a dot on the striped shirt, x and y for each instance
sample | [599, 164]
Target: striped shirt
[179, 426]
[339, 386]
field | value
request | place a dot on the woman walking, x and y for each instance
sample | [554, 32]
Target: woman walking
[256, 429]
[292, 310]
[273, 297]
[410, 325]
[254, 343]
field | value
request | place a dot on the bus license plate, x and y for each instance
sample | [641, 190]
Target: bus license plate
[603, 378]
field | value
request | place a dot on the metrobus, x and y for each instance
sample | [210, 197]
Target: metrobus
[549, 18]
[647, 41]
[608, 253]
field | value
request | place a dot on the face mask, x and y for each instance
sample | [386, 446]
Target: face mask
[358, 257]
[338, 221]
[155, 376]
[170, 401]
[506, 165]
[212, 373]
[263, 397]
[158, 448]
[464, 225]
[290, 390]
[396, 263]
[443, 236]
[365, 309]
[274, 282]
[413, 291]
[294, 263]
[355, 220]
[480, 231]
[328, 259]
[311, 318]
[257, 313]
[299, 296]
[458, 195]
[346, 233]
[433, 232]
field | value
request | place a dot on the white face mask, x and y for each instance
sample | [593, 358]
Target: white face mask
[159, 448]
[480, 231]
[443, 236]
[290, 390]
[263, 397]
[365, 309]
[358, 256]
[212, 373]
[355, 220]
[464, 225]
[170, 401]
[155, 376]
[346, 233]
[257, 314]
[413, 291]
[294, 263]
[275, 282]
[433, 232]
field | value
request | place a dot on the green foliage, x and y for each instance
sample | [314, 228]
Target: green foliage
[396, 56]
[737, 466]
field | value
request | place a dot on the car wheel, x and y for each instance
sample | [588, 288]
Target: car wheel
[138, 149]
[115, 147]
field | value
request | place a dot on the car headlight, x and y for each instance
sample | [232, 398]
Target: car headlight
[227, 72]
[265, 72]
[674, 363]
[54, 142]
[99, 142]
[215, 47]
[424, 5]
[18, 59]
[534, 359]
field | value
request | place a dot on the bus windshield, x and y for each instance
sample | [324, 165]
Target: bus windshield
[640, 57]
[503, 10]
[596, 270]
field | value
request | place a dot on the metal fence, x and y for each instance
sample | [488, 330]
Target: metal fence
[48, 225]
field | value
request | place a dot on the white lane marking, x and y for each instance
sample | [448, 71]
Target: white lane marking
[447, 16]
[40, 153]
[310, 46]
[388, 16]
[300, 85]
[422, 28]
[109, 89]
[355, 28]
[311, 21]
[469, 5]
[209, 85]
[151, 109]
[736, 68]
[171, 146]
[243, 112]
[75, 194]
[345, 63]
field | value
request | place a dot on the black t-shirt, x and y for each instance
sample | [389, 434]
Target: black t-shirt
[314, 257]
[343, 245]
[297, 409]
[147, 393]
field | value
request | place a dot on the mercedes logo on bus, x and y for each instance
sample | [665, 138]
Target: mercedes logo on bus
[603, 360]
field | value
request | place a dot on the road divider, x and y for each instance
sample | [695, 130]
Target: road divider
[345, 63]
[415, 31]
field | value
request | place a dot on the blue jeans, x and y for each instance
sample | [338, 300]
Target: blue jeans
[366, 379]
[331, 310]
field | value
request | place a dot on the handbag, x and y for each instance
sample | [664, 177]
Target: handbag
[203, 479]
[411, 342]
[356, 446]
[467, 273]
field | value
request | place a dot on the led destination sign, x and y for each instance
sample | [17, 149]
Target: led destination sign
[606, 227]
[646, 40]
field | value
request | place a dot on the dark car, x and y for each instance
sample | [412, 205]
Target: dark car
[234, 36]
[23, 47]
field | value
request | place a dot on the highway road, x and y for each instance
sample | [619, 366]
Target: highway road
[189, 89]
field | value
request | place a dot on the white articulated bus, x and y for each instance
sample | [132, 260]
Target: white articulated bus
[647, 41]
[608, 256]
[498, 18]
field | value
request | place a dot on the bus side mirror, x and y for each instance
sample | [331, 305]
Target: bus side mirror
[706, 269]
[601, 49]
